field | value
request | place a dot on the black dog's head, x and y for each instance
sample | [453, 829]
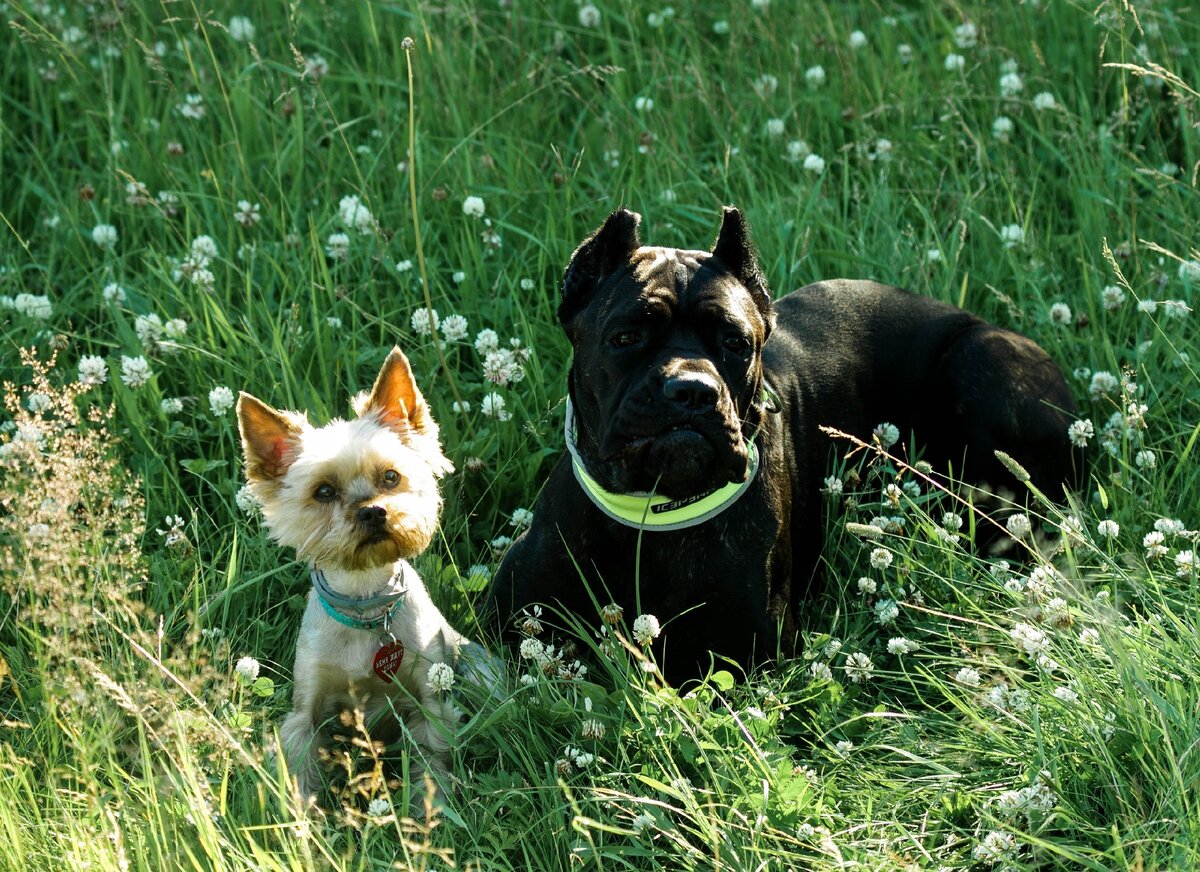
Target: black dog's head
[667, 375]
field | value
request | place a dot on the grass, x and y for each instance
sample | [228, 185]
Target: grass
[1048, 716]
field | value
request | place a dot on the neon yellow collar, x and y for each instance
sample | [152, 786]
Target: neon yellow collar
[650, 511]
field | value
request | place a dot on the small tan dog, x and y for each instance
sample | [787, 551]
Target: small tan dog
[356, 499]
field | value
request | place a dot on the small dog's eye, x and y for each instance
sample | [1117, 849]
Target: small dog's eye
[391, 478]
[325, 493]
[626, 338]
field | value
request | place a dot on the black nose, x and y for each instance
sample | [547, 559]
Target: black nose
[372, 516]
[693, 390]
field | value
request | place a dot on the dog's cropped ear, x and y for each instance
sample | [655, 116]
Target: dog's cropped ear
[395, 399]
[270, 438]
[735, 251]
[596, 258]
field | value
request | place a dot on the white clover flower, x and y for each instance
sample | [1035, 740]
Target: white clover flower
[1012, 235]
[149, 329]
[886, 611]
[403, 265]
[968, 676]
[354, 214]
[1112, 297]
[858, 668]
[1170, 527]
[487, 341]
[867, 586]
[589, 16]
[458, 277]
[933, 255]
[774, 127]
[886, 434]
[33, 306]
[1011, 84]
[1030, 639]
[642, 104]
[1145, 459]
[882, 151]
[1185, 564]
[1108, 529]
[1089, 636]
[113, 294]
[815, 164]
[379, 807]
[1044, 101]
[532, 649]
[1189, 270]
[247, 669]
[135, 371]
[479, 572]
[954, 63]
[192, 107]
[473, 207]
[1002, 128]
[92, 370]
[171, 406]
[454, 328]
[441, 678]
[104, 235]
[899, 646]
[247, 214]
[220, 400]
[1103, 384]
[881, 558]
[798, 150]
[424, 321]
[1018, 526]
[966, 35]
[645, 629]
[521, 518]
[815, 76]
[1153, 543]
[315, 67]
[337, 246]
[175, 329]
[1080, 432]
[765, 85]
[721, 27]
[857, 40]
[820, 671]
[241, 29]
[833, 485]
[905, 52]
[997, 847]
[1065, 694]
[1060, 314]
[247, 503]
[492, 406]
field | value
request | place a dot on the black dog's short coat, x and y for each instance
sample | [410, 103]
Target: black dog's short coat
[673, 350]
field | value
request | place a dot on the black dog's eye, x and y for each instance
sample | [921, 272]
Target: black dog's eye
[391, 478]
[626, 338]
[736, 343]
[325, 493]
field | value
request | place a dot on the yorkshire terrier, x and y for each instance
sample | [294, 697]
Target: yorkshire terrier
[356, 500]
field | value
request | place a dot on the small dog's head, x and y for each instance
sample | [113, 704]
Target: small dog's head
[352, 494]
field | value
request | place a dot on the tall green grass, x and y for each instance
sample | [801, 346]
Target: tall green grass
[1045, 718]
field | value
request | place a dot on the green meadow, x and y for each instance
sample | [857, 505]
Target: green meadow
[197, 199]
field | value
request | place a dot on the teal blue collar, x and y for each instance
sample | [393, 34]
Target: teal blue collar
[655, 513]
[362, 613]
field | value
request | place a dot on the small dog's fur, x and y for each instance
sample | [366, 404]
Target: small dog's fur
[356, 499]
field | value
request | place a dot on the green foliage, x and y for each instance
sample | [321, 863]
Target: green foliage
[1037, 716]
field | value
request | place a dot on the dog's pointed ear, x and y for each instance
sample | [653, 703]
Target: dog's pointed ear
[395, 398]
[396, 402]
[270, 438]
[735, 251]
[596, 258]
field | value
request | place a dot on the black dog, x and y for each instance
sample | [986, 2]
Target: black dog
[675, 390]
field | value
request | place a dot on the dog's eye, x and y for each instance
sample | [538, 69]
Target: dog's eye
[391, 478]
[736, 343]
[325, 493]
[626, 338]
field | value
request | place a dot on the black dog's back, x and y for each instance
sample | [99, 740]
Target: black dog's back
[854, 354]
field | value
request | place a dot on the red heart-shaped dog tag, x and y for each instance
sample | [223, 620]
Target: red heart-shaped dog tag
[387, 660]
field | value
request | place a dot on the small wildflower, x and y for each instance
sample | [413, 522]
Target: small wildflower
[798, 150]
[592, 730]
[441, 678]
[954, 63]
[241, 29]
[424, 321]
[171, 405]
[886, 434]
[1018, 526]
[968, 676]
[521, 518]
[881, 558]
[104, 235]
[1060, 314]
[1012, 235]
[645, 629]
[1102, 384]
[1112, 297]
[867, 586]
[473, 207]
[454, 328]
[857, 40]
[1153, 543]
[814, 164]
[589, 16]
[247, 669]
[492, 406]
[1185, 564]
[337, 246]
[1002, 128]
[899, 646]
[315, 68]
[858, 668]
[135, 371]
[92, 370]
[833, 485]
[247, 214]
[775, 127]
[611, 614]
[1065, 694]
[1145, 459]
[643, 104]
[1044, 102]
[933, 255]
[192, 107]
[379, 807]
[1108, 529]
[820, 671]
[246, 501]
[886, 611]
[966, 35]
[1011, 84]
[1080, 432]
[815, 76]
[220, 400]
